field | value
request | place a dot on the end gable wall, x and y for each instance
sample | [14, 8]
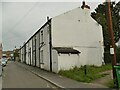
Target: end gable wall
[77, 29]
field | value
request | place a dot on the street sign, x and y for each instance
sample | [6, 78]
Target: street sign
[111, 51]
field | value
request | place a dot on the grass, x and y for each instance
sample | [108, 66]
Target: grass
[110, 83]
[92, 73]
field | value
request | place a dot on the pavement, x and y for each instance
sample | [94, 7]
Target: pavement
[58, 80]
[104, 80]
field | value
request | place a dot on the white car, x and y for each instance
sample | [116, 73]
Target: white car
[6, 60]
[1, 68]
[3, 62]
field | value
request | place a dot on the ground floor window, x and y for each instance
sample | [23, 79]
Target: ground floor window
[41, 56]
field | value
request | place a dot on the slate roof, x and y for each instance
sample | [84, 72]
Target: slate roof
[66, 50]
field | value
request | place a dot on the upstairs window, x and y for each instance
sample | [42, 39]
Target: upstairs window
[41, 36]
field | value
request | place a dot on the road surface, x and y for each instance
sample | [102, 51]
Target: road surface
[17, 77]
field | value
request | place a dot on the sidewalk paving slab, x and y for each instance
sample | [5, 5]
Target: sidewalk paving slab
[58, 80]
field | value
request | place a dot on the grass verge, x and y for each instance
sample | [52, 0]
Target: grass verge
[92, 73]
[110, 83]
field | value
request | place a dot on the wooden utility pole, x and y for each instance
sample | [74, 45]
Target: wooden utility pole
[112, 43]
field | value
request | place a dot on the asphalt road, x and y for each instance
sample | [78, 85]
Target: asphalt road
[18, 77]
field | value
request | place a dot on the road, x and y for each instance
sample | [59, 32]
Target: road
[17, 77]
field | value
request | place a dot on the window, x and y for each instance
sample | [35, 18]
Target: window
[34, 43]
[41, 56]
[48, 29]
[41, 36]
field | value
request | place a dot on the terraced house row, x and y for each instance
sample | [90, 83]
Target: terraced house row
[71, 39]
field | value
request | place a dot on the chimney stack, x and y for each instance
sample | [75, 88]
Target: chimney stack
[47, 18]
[84, 6]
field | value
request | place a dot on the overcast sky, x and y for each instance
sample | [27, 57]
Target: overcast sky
[20, 20]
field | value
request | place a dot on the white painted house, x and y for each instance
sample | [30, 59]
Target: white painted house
[71, 39]
[119, 43]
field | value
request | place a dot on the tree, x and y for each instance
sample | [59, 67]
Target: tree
[100, 16]
[116, 20]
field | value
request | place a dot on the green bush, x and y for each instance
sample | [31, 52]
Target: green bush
[108, 57]
[117, 55]
[110, 83]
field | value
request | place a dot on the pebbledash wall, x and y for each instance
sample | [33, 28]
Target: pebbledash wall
[71, 39]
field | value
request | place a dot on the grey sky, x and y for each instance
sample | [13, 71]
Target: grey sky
[0, 22]
[20, 20]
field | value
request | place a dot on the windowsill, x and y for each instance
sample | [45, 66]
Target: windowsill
[41, 63]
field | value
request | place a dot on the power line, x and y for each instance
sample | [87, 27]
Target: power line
[23, 17]
[21, 20]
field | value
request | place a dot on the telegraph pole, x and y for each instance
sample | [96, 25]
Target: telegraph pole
[112, 43]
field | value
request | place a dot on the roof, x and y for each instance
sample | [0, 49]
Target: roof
[66, 50]
[36, 32]
[7, 52]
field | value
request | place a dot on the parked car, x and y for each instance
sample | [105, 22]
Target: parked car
[1, 67]
[3, 62]
[6, 60]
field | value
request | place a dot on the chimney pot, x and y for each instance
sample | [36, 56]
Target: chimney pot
[47, 18]
[83, 2]
[84, 6]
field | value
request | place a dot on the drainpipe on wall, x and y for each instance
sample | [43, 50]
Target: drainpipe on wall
[35, 51]
[32, 52]
[50, 43]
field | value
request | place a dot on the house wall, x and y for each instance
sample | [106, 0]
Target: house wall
[30, 51]
[34, 51]
[27, 59]
[44, 48]
[77, 29]
[24, 48]
[37, 50]
[72, 29]
[22, 54]
[68, 61]
[55, 61]
[119, 43]
[90, 56]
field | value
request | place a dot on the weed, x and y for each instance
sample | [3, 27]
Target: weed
[92, 73]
